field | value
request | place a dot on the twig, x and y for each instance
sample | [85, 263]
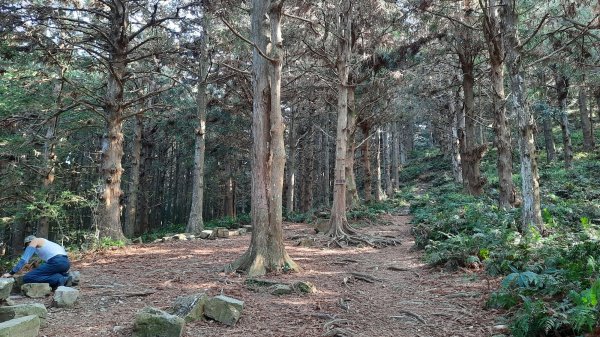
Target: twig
[365, 277]
[411, 314]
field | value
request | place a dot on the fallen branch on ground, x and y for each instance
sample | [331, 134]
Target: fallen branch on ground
[411, 314]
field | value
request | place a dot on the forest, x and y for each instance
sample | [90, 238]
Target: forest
[474, 123]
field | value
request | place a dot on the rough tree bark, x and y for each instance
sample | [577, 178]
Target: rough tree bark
[366, 159]
[134, 185]
[562, 91]
[109, 206]
[532, 215]
[586, 121]
[195, 222]
[291, 166]
[455, 142]
[266, 252]
[379, 194]
[352, 198]
[491, 28]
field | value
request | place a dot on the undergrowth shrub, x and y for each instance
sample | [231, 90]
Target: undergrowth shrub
[551, 280]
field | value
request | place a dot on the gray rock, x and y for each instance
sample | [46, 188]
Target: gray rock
[248, 228]
[207, 234]
[28, 326]
[16, 289]
[167, 238]
[190, 308]
[242, 231]
[190, 236]
[22, 310]
[65, 297]
[281, 289]
[305, 287]
[36, 290]
[222, 232]
[224, 309]
[157, 241]
[6, 285]
[137, 240]
[180, 237]
[76, 277]
[153, 322]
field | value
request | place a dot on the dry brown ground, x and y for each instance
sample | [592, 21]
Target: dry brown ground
[413, 301]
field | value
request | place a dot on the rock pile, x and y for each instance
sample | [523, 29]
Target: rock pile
[208, 234]
[158, 323]
[24, 320]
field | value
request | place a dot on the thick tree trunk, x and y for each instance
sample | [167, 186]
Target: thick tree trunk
[352, 198]
[586, 121]
[267, 251]
[134, 185]
[195, 222]
[229, 203]
[338, 225]
[472, 151]
[491, 25]
[109, 206]
[532, 215]
[562, 91]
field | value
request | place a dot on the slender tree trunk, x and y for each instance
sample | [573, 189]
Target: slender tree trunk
[379, 194]
[230, 197]
[111, 170]
[195, 222]
[562, 91]
[308, 178]
[366, 155]
[387, 150]
[532, 215]
[327, 167]
[504, 165]
[396, 143]
[586, 121]
[267, 251]
[291, 167]
[455, 143]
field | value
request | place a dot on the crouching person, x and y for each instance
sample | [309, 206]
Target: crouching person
[56, 264]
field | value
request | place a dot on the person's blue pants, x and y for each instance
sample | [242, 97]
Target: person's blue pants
[53, 271]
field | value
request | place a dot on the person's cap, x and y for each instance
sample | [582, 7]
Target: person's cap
[28, 239]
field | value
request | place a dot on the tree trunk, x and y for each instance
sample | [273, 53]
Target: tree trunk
[307, 186]
[266, 252]
[134, 186]
[326, 167]
[388, 154]
[586, 121]
[396, 142]
[532, 215]
[562, 91]
[366, 155]
[229, 207]
[352, 198]
[291, 166]
[495, 45]
[195, 222]
[473, 152]
[338, 225]
[455, 143]
[379, 194]
[109, 205]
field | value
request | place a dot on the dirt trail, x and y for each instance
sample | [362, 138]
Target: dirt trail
[410, 299]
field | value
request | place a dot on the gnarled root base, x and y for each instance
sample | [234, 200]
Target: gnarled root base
[343, 235]
[255, 264]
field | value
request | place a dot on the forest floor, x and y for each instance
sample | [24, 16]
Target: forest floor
[410, 299]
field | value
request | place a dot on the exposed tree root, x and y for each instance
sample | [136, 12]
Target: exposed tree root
[365, 277]
[410, 314]
[342, 235]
